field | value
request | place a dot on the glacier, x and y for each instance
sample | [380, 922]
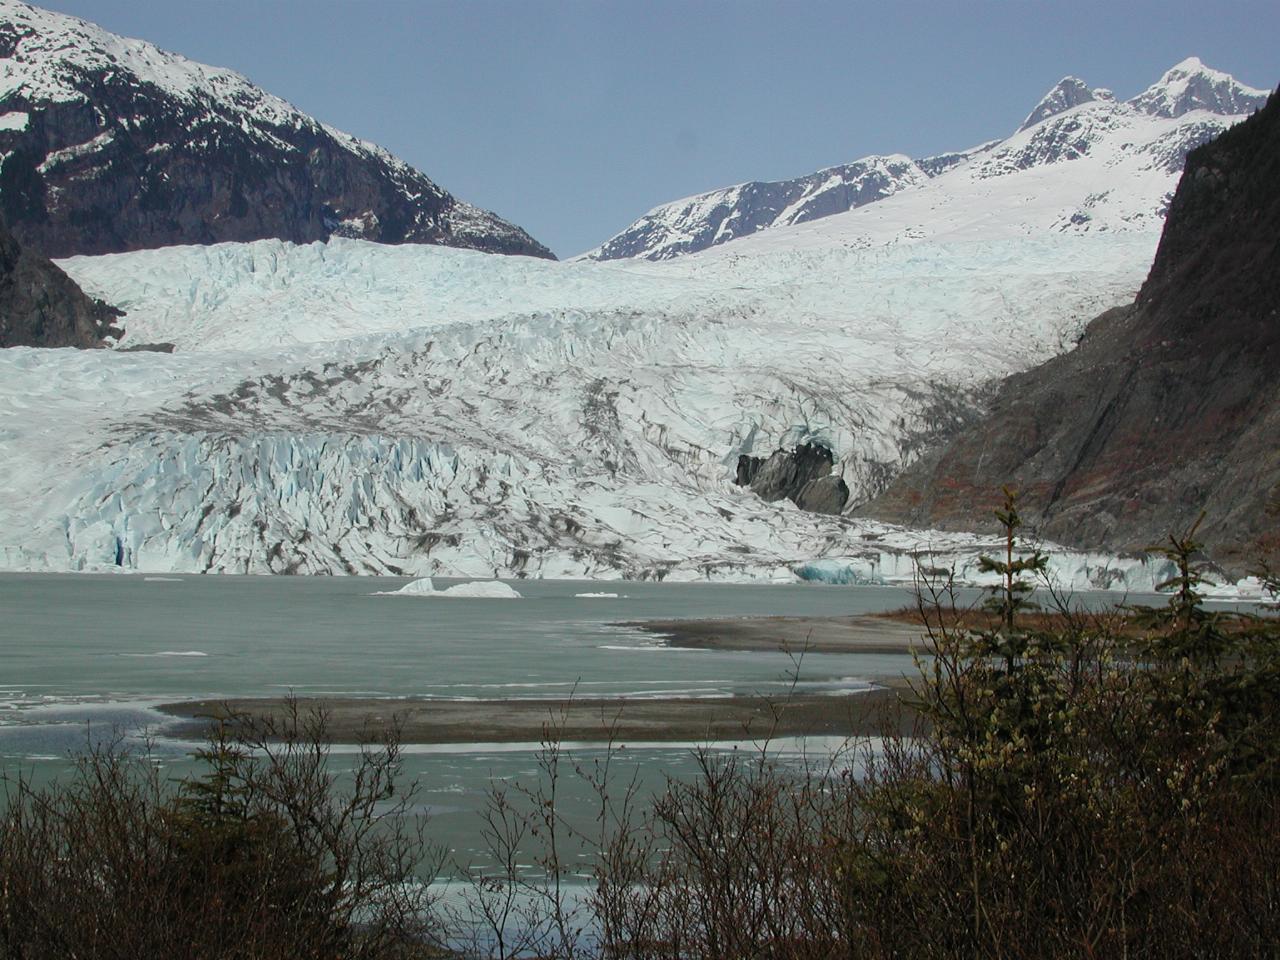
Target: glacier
[357, 408]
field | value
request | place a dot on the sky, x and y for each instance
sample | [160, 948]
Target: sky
[574, 118]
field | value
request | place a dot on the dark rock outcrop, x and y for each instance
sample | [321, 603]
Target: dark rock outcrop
[40, 306]
[111, 144]
[802, 475]
[1166, 408]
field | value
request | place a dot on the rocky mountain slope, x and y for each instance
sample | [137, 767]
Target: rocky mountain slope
[1138, 146]
[40, 306]
[112, 144]
[1167, 407]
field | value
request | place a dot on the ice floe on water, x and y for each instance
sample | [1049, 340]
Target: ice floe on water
[168, 653]
[599, 596]
[476, 590]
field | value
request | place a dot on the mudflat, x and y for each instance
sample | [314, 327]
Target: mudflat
[354, 719]
[853, 634]
[621, 719]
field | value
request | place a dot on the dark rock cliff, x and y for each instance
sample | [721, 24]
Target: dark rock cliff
[1166, 408]
[40, 306]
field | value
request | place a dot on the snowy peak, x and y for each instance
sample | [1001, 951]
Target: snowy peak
[113, 144]
[1133, 153]
[49, 55]
[1067, 93]
[1193, 86]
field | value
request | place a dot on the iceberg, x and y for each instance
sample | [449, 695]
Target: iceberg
[476, 590]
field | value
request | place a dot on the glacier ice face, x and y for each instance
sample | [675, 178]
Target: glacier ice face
[357, 408]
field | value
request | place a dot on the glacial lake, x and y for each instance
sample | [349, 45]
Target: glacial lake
[85, 655]
[89, 656]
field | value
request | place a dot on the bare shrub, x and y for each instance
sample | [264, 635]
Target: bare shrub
[268, 854]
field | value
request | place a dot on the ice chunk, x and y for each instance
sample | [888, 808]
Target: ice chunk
[476, 590]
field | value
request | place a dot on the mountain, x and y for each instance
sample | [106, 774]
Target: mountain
[1147, 138]
[1192, 86]
[696, 223]
[112, 144]
[1168, 406]
[40, 306]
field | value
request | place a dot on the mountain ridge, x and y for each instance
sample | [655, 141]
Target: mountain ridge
[1189, 105]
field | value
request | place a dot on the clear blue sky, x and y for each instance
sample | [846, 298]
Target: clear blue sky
[573, 118]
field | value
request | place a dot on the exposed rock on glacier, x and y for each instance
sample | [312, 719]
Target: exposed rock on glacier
[802, 475]
[40, 306]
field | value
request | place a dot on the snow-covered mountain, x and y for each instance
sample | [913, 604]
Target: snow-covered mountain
[696, 223]
[1136, 150]
[112, 144]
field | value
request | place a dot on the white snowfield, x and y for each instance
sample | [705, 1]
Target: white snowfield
[356, 408]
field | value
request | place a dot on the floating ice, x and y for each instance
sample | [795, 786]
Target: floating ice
[476, 590]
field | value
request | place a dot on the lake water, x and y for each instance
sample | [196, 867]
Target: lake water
[84, 655]
[70, 639]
